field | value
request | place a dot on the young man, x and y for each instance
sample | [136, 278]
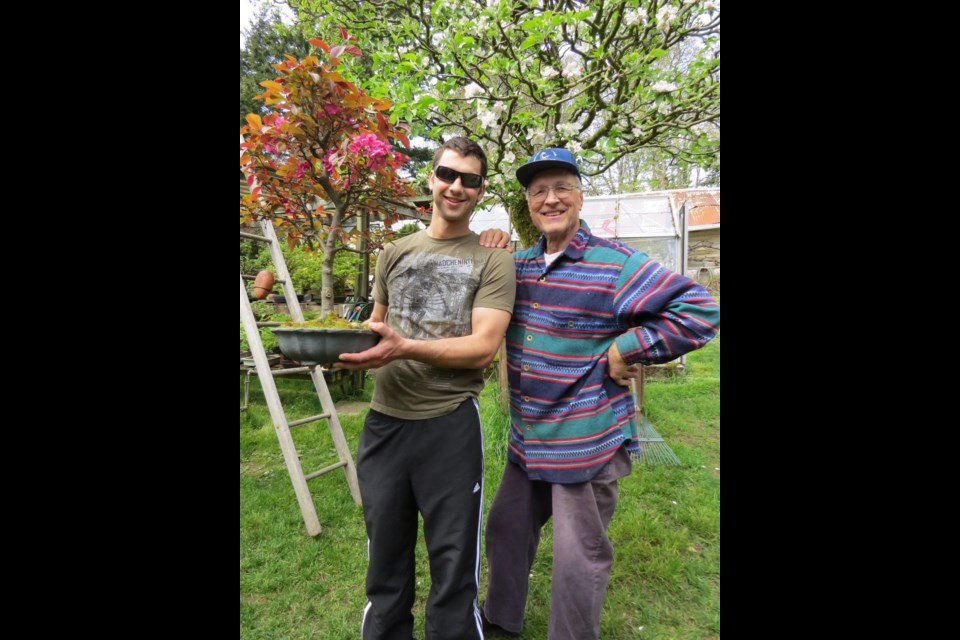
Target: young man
[589, 311]
[442, 304]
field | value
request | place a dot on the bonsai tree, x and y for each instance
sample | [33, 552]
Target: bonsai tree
[321, 158]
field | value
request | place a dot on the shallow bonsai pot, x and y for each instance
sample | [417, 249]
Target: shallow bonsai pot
[323, 346]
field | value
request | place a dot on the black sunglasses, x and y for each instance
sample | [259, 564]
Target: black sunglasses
[469, 180]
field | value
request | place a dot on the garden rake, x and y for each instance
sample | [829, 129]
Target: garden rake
[653, 448]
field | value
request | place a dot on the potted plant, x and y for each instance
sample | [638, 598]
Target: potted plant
[322, 341]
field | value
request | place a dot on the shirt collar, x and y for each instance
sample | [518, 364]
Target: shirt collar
[575, 249]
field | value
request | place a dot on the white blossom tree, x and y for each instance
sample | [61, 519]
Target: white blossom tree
[597, 76]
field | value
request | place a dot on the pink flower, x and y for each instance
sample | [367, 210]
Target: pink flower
[327, 161]
[301, 168]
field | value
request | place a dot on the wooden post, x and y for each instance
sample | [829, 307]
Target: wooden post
[502, 381]
[363, 290]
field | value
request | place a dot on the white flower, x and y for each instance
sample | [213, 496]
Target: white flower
[425, 61]
[572, 70]
[403, 50]
[633, 17]
[664, 108]
[509, 158]
[487, 118]
[569, 129]
[637, 131]
[472, 90]
[498, 107]
[575, 147]
[709, 5]
[665, 16]
[663, 86]
[548, 72]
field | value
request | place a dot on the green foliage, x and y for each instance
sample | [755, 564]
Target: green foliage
[406, 230]
[267, 337]
[267, 40]
[658, 170]
[346, 266]
[263, 311]
[254, 257]
[304, 265]
[603, 78]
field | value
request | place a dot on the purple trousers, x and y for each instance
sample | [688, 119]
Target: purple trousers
[582, 553]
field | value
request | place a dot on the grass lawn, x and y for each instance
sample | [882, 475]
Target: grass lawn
[666, 532]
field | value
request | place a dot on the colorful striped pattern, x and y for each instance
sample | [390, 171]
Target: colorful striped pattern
[567, 417]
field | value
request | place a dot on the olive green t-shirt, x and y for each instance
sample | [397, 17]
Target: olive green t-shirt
[430, 288]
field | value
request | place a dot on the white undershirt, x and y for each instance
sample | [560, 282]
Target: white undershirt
[550, 257]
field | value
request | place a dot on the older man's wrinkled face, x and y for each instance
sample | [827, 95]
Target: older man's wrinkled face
[555, 199]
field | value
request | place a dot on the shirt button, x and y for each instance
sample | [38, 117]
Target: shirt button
[570, 323]
[526, 398]
[541, 278]
[536, 305]
[529, 338]
[526, 367]
[527, 426]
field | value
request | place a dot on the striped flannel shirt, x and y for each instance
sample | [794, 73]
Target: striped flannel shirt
[567, 416]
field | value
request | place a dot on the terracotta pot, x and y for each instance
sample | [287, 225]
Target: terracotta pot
[263, 284]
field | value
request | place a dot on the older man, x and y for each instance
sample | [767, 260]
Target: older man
[588, 313]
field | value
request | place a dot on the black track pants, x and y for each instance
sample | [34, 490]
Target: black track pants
[434, 466]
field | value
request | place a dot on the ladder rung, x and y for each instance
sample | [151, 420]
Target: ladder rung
[253, 236]
[313, 475]
[283, 372]
[247, 276]
[290, 371]
[297, 423]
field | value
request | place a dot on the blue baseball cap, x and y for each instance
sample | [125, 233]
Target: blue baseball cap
[550, 158]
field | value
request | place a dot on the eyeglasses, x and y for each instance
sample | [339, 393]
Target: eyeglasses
[540, 193]
[469, 180]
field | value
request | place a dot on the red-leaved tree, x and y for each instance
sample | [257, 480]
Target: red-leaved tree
[321, 157]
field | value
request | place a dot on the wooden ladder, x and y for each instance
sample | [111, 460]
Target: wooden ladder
[266, 375]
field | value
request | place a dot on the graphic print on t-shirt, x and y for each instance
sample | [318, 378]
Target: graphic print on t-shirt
[432, 296]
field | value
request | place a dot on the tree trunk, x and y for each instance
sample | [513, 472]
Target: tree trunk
[516, 204]
[326, 275]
